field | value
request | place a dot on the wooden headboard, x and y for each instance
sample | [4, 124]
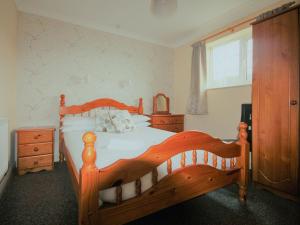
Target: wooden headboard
[101, 102]
[86, 108]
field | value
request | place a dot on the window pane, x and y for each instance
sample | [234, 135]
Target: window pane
[249, 58]
[226, 60]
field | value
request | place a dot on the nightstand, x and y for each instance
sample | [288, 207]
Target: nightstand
[169, 122]
[35, 149]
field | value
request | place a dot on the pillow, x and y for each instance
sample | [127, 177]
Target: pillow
[121, 120]
[140, 118]
[103, 121]
[78, 124]
[78, 120]
[143, 124]
[77, 128]
[114, 121]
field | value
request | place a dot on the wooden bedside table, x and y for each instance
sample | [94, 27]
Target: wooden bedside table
[169, 122]
[35, 149]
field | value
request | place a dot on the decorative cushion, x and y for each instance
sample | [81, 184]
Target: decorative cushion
[121, 120]
[103, 121]
[115, 121]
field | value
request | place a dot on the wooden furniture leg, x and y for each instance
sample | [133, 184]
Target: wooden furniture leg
[243, 161]
[61, 139]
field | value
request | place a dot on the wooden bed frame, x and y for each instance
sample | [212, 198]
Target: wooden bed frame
[179, 185]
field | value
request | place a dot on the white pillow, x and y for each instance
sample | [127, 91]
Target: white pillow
[78, 120]
[78, 128]
[140, 118]
[143, 124]
[78, 124]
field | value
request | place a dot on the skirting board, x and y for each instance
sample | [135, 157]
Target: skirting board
[5, 180]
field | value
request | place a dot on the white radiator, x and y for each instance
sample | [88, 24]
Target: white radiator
[4, 149]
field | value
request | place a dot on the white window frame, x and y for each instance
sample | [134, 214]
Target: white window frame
[243, 79]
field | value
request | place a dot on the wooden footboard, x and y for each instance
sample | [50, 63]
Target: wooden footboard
[179, 185]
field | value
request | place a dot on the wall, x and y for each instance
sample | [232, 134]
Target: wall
[56, 57]
[8, 37]
[8, 41]
[224, 105]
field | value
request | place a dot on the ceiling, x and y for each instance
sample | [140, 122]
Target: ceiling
[132, 18]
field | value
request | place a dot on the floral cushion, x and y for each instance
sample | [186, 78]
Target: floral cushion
[115, 121]
[122, 121]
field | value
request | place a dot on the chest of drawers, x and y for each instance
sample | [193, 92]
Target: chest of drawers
[172, 122]
[35, 149]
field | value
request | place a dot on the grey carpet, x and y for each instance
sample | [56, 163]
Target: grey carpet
[47, 198]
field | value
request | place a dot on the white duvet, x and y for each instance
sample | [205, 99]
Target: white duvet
[111, 147]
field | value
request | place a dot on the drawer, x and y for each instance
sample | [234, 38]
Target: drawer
[35, 161]
[29, 137]
[35, 149]
[167, 119]
[169, 127]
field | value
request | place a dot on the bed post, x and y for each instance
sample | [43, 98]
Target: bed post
[88, 180]
[243, 161]
[61, 117]
[140, 110]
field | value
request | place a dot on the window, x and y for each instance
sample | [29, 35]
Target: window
[229, 60]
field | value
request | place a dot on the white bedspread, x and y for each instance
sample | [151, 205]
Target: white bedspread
[111, 147]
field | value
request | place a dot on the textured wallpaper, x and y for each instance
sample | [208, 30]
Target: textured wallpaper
[55, 57]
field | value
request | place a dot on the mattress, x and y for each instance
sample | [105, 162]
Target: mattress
[111, 147]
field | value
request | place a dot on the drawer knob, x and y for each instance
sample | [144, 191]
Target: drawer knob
[37, 136]
[35, 163]
[36, 149]
[294, 102]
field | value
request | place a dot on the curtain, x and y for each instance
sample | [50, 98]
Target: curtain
[197, 102]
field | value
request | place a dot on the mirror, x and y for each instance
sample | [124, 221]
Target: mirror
[160, 104]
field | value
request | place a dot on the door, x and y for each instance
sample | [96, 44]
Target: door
[275, 102]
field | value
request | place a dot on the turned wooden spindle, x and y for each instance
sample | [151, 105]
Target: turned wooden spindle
[182, 161]
[169, 166]
[243, 161]
[138, 187]
[119, 194]
[154, 176]
[88, 179]
[215, 162]
[62, 100]
[194, 157]
[232, 164]
[141, 108]
[223, 163]
[205, 157]
[61, 119]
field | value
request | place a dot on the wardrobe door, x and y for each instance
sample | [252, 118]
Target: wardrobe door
[276, 102]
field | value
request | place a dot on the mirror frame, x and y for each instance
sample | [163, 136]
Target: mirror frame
[155, 111]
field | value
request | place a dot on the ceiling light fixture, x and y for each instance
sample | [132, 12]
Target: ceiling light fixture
[163, 8]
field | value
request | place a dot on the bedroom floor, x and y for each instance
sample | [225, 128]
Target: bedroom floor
[48, 198]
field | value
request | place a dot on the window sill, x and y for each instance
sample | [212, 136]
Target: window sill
[231, 86]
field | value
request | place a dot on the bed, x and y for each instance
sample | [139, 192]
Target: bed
[122, 177]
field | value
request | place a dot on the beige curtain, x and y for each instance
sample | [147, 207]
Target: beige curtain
[197, 102]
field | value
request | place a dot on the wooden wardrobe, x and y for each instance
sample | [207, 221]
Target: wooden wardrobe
[275, 103]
